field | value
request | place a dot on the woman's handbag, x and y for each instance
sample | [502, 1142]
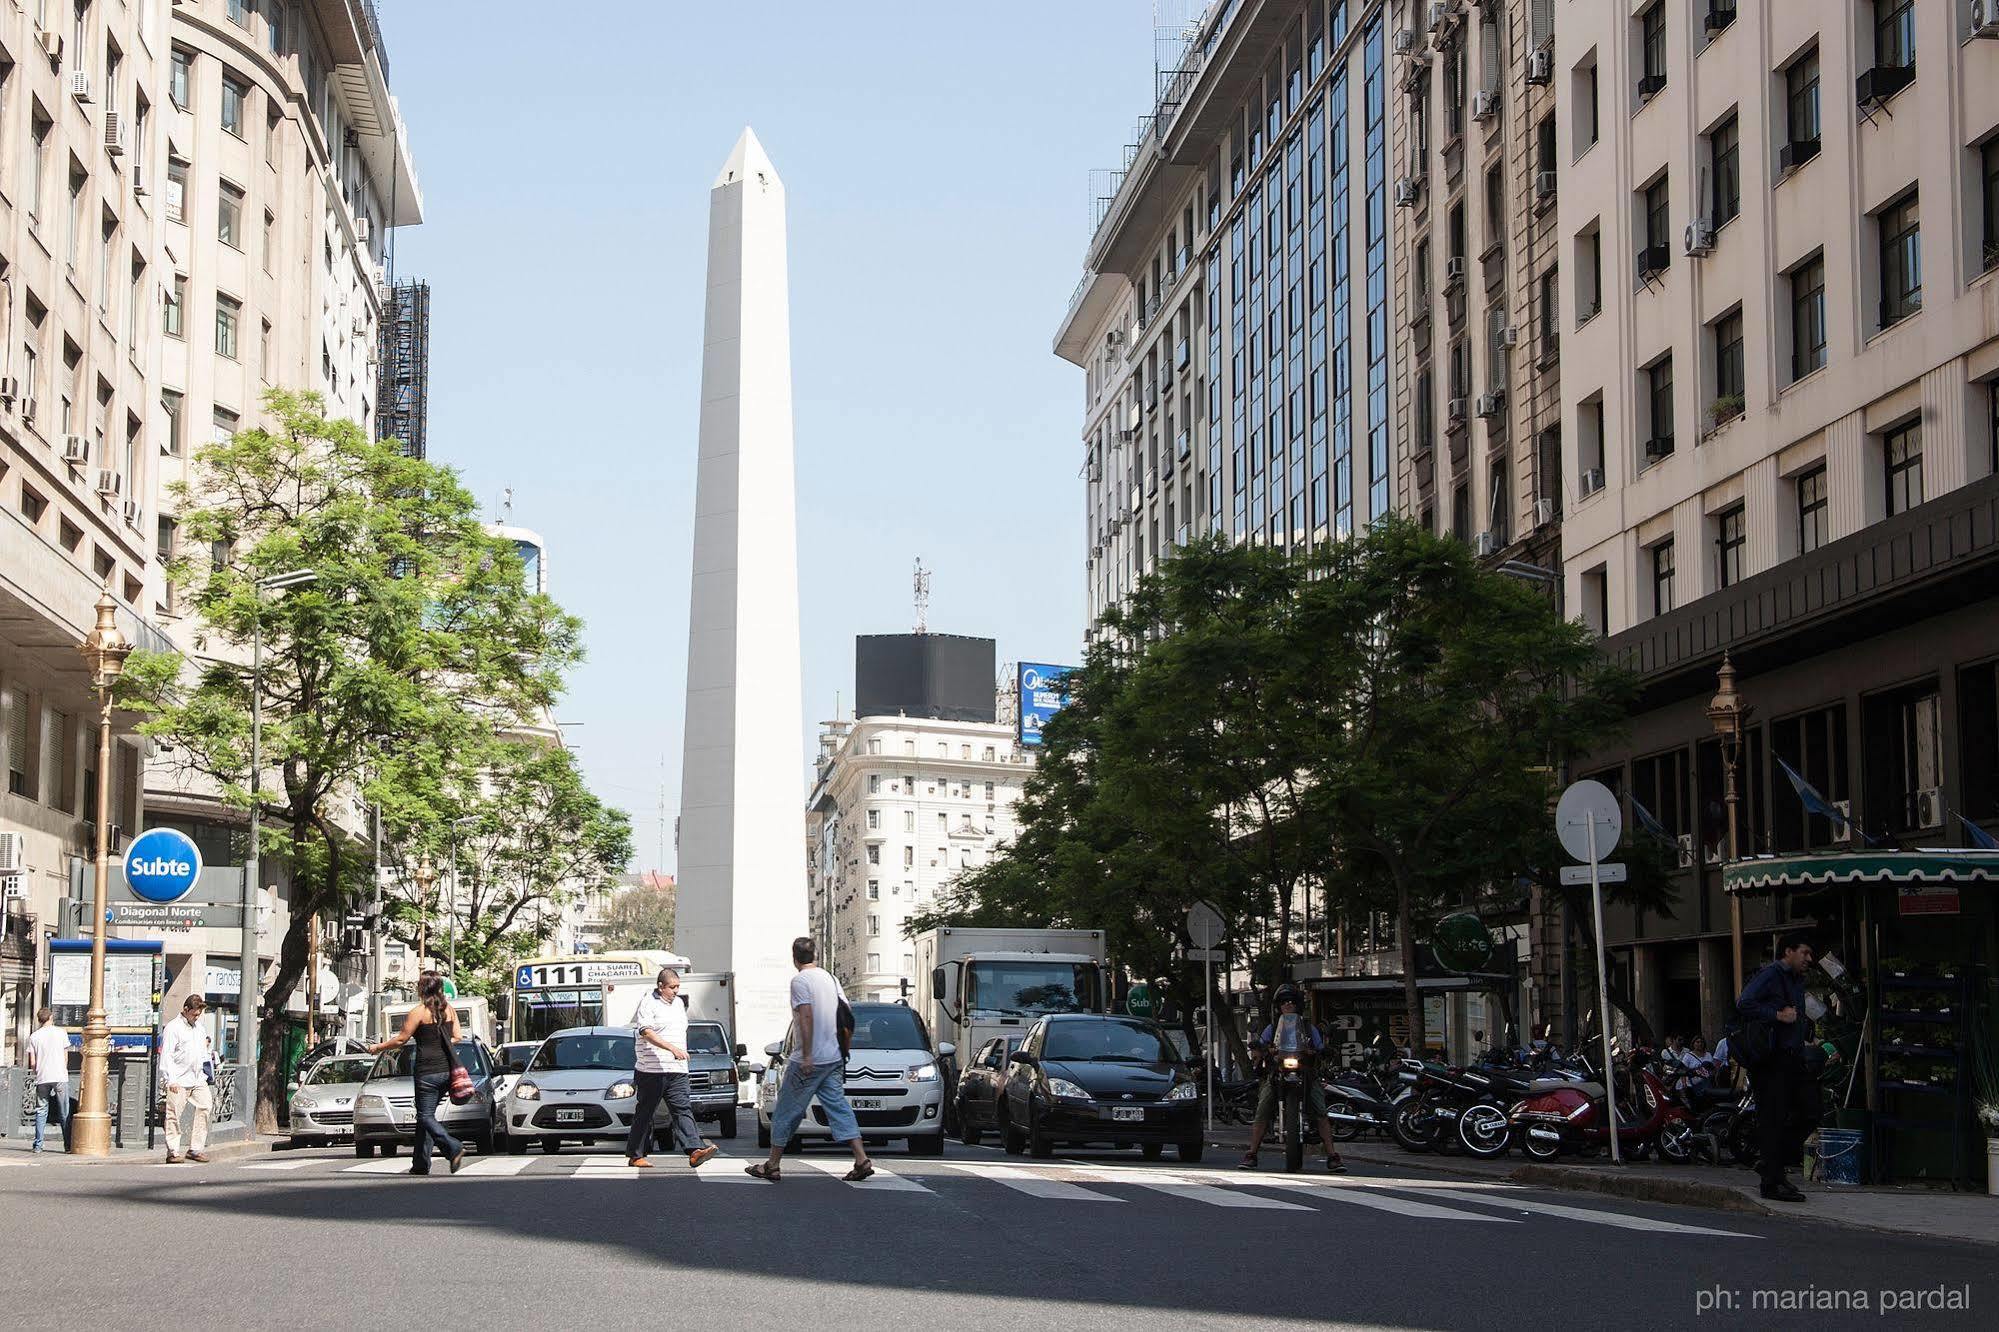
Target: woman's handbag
[461, 1089]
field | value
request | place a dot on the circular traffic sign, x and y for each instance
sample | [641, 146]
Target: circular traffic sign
[162, 864]
[1205, 926]
[1139, 1001]
[1583, 804]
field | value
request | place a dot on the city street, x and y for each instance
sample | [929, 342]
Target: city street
[974, 1239]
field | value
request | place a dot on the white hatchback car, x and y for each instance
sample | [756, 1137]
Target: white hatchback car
[892, 1082]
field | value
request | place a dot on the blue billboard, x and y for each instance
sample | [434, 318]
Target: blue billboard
[1044, 691]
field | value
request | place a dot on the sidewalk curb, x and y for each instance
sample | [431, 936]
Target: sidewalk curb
[1645, 1188]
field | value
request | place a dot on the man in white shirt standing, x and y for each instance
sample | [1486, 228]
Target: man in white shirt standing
[48, 1056]
[185, 1054]
[660, 1070]
[818, 1067]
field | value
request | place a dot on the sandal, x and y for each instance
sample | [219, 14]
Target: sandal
[860, 1172]
[762, 1170]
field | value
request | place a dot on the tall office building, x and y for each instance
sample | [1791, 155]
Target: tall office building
[1235, 322]
[1780, 405]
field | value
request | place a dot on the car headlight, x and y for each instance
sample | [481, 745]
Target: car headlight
[621, 1091]
[374, 1103]
[1065, 1088]
[526, 1091]
[1185, 1091]
[305, 1103]
[922, 1073]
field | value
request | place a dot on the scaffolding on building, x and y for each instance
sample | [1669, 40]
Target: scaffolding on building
[404, 389]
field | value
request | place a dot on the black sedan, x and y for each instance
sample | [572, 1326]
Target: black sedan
[1097, 1078]
[979, 1089]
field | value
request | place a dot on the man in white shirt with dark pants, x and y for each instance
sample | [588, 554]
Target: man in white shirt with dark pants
[660, 1071]
[48, 1056]
[185, 1053]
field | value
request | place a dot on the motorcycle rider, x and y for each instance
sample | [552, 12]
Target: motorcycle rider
[1286, 1003]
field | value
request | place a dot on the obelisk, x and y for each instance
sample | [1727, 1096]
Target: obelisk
[742, 789]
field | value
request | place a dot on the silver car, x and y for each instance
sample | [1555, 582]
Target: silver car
[579, 1087]
[322, 1104]
[385, 1110]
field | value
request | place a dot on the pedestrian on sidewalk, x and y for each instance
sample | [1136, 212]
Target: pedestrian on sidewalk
[822, 1025]
[433, 1026]
[48, 1056]
[187, 1057]
[1787, 1095]
[659, 1058]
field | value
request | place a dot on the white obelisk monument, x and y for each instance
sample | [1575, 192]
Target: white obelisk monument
[742, 776]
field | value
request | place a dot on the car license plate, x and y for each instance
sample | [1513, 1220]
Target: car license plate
[569, 1116]
[1128, 1114]
[867, 1103]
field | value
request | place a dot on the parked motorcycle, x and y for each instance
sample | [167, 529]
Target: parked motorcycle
[1572, 1117]
[1443, 1093]
[1362, 1098]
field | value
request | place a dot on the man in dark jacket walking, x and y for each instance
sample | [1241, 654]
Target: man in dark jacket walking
[1787, 1094]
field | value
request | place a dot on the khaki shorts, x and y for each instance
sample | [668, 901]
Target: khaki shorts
[1315, 1098]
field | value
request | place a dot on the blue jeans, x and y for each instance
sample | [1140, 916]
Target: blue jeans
[429, 1091]
[52, 1095]
[828, 1082]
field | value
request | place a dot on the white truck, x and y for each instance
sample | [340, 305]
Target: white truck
[973, 984]
[475, 1017]
[710, 996]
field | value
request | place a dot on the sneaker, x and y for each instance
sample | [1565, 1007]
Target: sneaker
[705, 1152]
[1335, 1166]
[1248, 1161]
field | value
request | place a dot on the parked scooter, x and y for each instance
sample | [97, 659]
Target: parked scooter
[1363, 1098]
[1572, 1117]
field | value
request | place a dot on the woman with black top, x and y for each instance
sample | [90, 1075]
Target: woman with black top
[433, 1025]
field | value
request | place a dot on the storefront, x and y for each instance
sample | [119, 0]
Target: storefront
[1906, 943]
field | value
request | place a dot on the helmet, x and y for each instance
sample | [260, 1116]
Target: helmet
[1284, 993]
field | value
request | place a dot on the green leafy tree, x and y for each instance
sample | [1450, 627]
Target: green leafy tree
[415, 612]
[641, 917]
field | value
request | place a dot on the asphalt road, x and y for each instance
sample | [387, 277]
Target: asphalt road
[973, 1240]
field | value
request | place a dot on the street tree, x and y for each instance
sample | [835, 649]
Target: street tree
[642, 916]
[414, 611]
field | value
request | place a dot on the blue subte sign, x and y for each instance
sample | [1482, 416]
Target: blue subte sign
[162, 864]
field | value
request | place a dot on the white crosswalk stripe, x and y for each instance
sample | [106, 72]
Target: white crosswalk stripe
[1214, 1196]
[1362, 1197]
[1034, 1186]
[387, 1166]
[882, 1181]
[280, 1165]
[498, 1165]
[1619, 1220]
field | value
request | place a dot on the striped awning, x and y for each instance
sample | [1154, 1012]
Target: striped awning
[1845, 868]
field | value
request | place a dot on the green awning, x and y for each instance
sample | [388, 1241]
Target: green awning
[1844, 868]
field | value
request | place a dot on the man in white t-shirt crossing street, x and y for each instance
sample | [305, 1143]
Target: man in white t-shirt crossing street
[48, 1056]
[660, 1071]
[818, 1066]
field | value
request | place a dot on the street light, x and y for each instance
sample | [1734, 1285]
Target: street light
[1728, 713]
[426, 875]
[246, 980]
[105, 649]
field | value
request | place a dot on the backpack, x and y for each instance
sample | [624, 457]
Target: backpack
[843, 1027]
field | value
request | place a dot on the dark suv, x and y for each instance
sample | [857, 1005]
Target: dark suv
[1099, 1078]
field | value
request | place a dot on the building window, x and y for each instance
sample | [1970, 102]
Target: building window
[177, 78]
[1725, 171]
[874, 855]
[874, 963]
[229, 216]
[1658, 215]
[909, 857]
[874, 783]
[1901, 260]
[1902, 451]
[228, 317]
[1808, 317]
[223, 425]
[235, 95]
[1662, 577]
[1895, 33]
[1728, 542]
[1550, 330]
[1728, 385]
[176, 310]
[267, 352]
[874, 890]
[176, 190]
[239, 13]
[171, 403]
[1811, 510]
[1988, 161]
[1659, 401]
[1801, 99]
[874, 820]
[909, 820]
[1583, 88]
[874, 927]
[1652, 30]
[989, 759]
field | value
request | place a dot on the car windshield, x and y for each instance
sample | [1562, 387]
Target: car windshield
[706, 1038]
[397, 1063]
[583, 1051]
[517, 1052]
[888, 1027]
[1031, 987]
[1110, 1039]
[346, 1068]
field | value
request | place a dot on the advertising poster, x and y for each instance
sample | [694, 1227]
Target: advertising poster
[1043, 693]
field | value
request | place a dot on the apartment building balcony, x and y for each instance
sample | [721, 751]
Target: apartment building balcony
[361, 76]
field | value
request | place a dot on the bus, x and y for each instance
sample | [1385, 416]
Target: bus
[551, 993]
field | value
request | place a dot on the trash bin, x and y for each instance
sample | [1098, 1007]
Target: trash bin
[1841, 1152]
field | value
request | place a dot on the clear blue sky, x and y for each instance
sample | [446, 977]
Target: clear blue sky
[935, 159]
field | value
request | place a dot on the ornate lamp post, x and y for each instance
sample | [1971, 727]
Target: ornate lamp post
[1729, 713]
[105, 649]
[426, 875]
